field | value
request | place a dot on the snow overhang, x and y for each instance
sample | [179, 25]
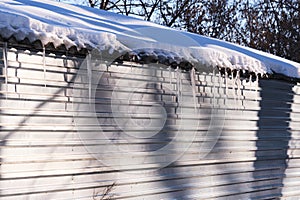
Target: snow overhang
[64, 26]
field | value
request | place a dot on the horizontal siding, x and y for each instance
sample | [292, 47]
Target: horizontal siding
[44, 157]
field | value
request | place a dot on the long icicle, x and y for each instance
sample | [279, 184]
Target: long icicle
[170, 78]
[234, 89]
[238, 87]
[226, 87]
[180, 89]
[89, 74]
[214, 87]
[192, 75]
[221, 87]
[5, 67]
[251, 84]
[178, 84]
[44, 65]
[256, 88]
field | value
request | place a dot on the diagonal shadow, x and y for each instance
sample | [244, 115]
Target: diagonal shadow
[273, 136]
[36, 109]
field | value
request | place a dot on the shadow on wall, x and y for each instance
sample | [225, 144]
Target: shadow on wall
[263, 177]
[2, 138]
[174, 180]
[143, 104]
[16, 129]
[273, 136]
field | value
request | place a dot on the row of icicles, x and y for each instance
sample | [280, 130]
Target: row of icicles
[230, 79]
[221, 78]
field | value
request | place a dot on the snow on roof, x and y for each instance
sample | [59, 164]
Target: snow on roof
[84, 27]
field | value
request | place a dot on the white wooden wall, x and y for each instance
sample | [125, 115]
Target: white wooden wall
[44, 157]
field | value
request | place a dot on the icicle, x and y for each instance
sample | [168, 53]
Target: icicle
[220, 88]
[214, 87]
[192, 74]
[234, 87]
[256, 87]
[170, 77]
[5, 67]
[238, 87]
[226, 83]
[178, 84]
[44, 64]
[89, 74]
[251, 85]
